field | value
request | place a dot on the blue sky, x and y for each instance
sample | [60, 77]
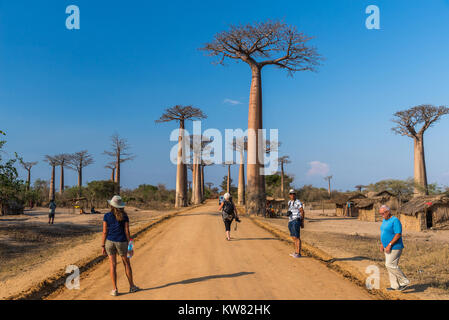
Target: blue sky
[68, 90]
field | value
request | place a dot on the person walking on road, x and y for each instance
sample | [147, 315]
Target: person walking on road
[392, 246]
[229, 212]
[295, 221]
[116, 238]
[51, 212]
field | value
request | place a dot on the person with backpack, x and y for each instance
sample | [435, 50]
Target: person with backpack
[295, 221]
[229, 212]
[116, 238]
[51, 212]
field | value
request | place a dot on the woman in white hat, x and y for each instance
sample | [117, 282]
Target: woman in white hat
[229, 212]
[116, 237]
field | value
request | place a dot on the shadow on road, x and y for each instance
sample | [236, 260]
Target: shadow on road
[200, 279]
[245, 239]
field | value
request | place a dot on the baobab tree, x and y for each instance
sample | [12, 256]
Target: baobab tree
[283, 161]
[119, 153]
[407, 125]
[28, 166]
[259, 45]
[359, 187]
[63, 162]
[197, 144]
[53, 162]
[111, 166]
[181, 114]
[240, 144]
[78, 161]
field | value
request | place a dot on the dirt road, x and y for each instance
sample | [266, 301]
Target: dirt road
[187, 257]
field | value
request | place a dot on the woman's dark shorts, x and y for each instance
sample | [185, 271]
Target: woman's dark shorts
[294, 227]
[227, 224]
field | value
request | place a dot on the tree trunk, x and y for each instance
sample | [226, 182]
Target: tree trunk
[80, 181]
[193, 194]
[255, 181]
[202, 182]
[420, 167]
[181, 172]
[28, 180]
[61, 181]
[241, 186]
[52, 184]
[282, 180]
[113, 175]
[228, 185]
[197, 184]
[117, 173]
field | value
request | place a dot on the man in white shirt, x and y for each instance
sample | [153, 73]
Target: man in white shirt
[295, 222]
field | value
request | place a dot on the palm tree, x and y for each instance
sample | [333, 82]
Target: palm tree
[78, 161]
[119, 153]
[27, 166]
[276, 44]
[407, 121]
[63, 162]
[181, 114]
[53, 162]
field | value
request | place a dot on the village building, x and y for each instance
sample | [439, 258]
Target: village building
[368, 208]
[426, 212]
[345, 206]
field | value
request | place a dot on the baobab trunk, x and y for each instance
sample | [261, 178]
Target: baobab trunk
[256, 196]
[52, 184]
[282, 180]
[197, 184]
[113, 175]
[117, 173]
[80, 181]
[28, 180]
[228, 185]
[61, 181]
[181, 171]
[202, 182]
[192, 196]
[241, 186]
[420, 167]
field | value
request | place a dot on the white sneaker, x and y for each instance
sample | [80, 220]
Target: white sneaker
[114, 293]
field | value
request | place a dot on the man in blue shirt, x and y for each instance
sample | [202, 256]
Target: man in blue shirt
[391, 245]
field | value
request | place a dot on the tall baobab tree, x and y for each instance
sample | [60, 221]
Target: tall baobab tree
[111, 166]
[63, 162]
[240, 144]
[407, 125]
[359, 187]
[328, 179]
[53, 162]
[119, 153]
[78, 161]
[209, 185]
[283, 161]
[28, 166]
[259, 45]
[181, 114]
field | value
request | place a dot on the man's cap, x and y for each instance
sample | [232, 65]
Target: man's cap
[292, 191]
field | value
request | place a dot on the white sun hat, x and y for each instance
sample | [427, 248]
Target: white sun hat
[226, 196]
[117, 202]
[292, 191]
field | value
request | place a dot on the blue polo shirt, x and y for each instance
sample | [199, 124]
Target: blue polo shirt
[116, 229]
[388, 230]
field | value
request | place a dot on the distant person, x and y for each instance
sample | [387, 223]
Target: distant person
[229, 212]
[116, 238]
[295, 221]
[392, 245]
[51, 212]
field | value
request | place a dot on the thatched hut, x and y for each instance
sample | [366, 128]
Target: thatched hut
[368, 208]
[425, 212]
[275, 206]
[345, 206]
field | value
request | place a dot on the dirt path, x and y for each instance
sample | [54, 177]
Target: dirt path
[187, 257]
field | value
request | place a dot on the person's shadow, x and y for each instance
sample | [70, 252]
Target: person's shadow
[199, 279]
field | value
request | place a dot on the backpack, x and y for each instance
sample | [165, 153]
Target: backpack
[228, 210]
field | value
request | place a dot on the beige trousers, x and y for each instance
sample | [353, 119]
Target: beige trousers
[397, 277]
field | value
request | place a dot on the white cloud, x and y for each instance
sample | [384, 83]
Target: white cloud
[233, 102]
[318, 168]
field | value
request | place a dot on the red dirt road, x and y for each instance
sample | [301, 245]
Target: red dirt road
[187, 257]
